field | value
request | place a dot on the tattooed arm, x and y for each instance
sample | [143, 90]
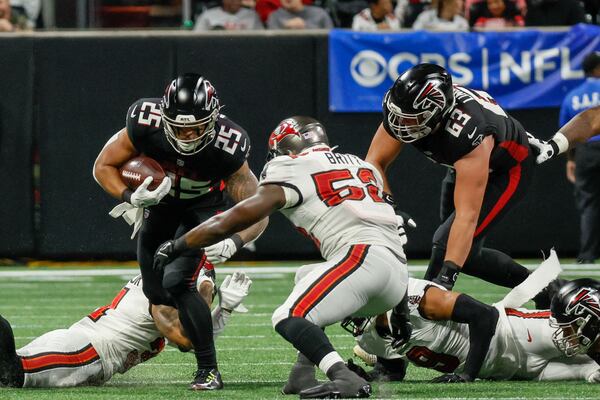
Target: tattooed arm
[241, 185]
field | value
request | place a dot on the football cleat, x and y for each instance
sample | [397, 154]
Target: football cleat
[11, 370]
[337, 389]
[301, 377]
[207, 379]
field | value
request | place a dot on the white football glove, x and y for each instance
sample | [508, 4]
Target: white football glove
[234, 290]
[594, 377]
[402, 220]
[221, 252]
[548, 149]
[142, 197]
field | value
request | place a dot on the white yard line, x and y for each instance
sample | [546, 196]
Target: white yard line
[570, 269]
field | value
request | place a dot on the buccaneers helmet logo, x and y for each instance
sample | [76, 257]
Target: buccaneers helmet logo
[287, 127]
[430, 96]
[585, 299]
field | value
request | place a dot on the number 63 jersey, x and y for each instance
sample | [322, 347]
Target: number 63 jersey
[334, 199]
[475, 116]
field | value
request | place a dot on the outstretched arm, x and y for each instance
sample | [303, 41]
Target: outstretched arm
[267, 200]
[382, 152]
[578, 130]
[443, 305]
[583, 126]
[241, 185]
[472, 173]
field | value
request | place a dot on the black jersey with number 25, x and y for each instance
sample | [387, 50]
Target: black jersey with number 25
[197, 175]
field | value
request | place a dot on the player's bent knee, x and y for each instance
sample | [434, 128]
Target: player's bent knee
[173, 281]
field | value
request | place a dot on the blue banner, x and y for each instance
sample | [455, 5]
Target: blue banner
[520, 69]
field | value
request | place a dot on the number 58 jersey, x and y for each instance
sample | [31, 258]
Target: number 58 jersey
[334, 199]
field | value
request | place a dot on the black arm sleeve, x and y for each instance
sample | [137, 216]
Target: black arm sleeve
[482, 320]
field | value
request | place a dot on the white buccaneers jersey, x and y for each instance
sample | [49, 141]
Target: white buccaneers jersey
[521, 348]
[335, 199]
[123, 332]
[444, 345]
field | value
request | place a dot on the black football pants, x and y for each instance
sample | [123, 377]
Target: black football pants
[177, 287]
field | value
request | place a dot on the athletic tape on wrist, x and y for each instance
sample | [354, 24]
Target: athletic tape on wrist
[561, 141]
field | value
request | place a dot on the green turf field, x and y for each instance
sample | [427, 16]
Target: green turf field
[253, 359]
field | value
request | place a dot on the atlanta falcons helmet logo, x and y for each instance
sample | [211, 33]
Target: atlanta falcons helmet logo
[585, 300]
[430, 97]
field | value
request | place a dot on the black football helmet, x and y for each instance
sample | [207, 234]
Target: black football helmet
[417, 102]
[576, 316]
[295, 134]
[190, 102]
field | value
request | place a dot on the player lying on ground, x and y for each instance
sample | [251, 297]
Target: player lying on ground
[560, 344]
[578, 130]
[112, 339]
[336, 199]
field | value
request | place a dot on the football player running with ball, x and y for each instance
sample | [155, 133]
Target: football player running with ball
[203, 154]
[336, 199]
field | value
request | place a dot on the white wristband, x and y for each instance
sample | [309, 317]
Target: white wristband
[561, 142]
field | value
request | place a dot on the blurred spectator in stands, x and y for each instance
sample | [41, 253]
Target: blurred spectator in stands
[343, 11]
[295, 15]
[29, 8]
[11, 21]
[554, 12]
[521, 6]
[583, 165]
[264, 8]
[592, 11]
[379, 16]
[229, 16]
[445, 17]
[407, 11]
[495, 14]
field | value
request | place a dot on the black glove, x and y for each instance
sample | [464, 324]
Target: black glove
[164, 255]
[452, 378]
[448, 275]
[401, 327]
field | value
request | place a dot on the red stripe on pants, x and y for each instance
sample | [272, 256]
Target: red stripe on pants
[531, 315]
[519, 153]
[337, 274]
[47, 360]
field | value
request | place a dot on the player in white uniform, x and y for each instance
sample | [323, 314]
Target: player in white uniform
[112, 339]
[521, 347]
[337, 200]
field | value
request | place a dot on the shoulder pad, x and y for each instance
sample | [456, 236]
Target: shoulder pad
[143, 118]
[280, 169]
